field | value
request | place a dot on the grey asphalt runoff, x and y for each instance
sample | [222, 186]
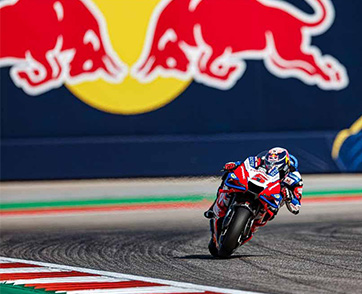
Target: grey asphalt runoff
[11, 192]
[318, 251]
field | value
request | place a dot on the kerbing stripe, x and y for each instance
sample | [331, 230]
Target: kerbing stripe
[99, 279]
[58, 274]
[5, 264]
[27, 270]
[77, 279]
[90, 286]
[161, 289]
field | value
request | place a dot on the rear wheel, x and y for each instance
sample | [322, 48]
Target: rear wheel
[230, 241]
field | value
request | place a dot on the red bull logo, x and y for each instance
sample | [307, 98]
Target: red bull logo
[49, 43]
[167, 44]
[210, 40]
[273, 157]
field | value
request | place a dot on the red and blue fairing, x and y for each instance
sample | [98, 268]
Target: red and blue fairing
[263, 184]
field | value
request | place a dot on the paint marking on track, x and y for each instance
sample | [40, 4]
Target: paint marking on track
[14, 212]
[333, 199]
[76, 280]
[86, 209]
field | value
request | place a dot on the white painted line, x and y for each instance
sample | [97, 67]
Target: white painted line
[137, 290]
[19, 270]
[65, 280]
[187, 286]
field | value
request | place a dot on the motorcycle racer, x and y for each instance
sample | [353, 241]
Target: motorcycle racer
[291, 181]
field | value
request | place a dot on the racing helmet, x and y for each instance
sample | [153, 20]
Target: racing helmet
[278, 157]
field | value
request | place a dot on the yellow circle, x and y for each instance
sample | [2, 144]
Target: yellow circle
[127, 24]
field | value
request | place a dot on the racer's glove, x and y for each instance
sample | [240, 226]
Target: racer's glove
[287, 195]
[229, 166]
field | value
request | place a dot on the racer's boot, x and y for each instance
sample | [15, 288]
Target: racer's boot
[275, 212]
[210, 213]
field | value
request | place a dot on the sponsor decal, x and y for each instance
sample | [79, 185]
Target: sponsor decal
[214, 39]
[46, 52]
[274, 172]
[72, 54]
[130, 65]
[252, 162]
[289, 181]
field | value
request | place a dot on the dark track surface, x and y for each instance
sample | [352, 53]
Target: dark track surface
[323, 257]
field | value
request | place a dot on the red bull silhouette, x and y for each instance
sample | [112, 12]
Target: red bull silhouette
[52, 42]
[209, 40]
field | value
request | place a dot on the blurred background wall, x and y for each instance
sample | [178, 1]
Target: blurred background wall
[95, 127]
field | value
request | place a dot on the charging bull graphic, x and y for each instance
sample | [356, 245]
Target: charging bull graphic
[209, 40]
[52, 42]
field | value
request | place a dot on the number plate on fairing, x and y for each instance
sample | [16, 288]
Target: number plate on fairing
[259, 179]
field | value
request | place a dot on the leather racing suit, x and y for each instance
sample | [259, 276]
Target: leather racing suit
[291, 187]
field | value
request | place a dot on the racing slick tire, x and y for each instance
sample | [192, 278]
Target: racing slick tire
[230, 241]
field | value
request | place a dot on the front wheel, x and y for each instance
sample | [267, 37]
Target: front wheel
[230, 241]
[212, 248]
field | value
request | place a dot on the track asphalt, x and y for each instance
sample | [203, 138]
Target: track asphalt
[318, 251]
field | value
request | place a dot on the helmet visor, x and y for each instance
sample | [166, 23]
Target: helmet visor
[274, 160]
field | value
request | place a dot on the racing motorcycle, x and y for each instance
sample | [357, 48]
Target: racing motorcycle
[253, 198]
